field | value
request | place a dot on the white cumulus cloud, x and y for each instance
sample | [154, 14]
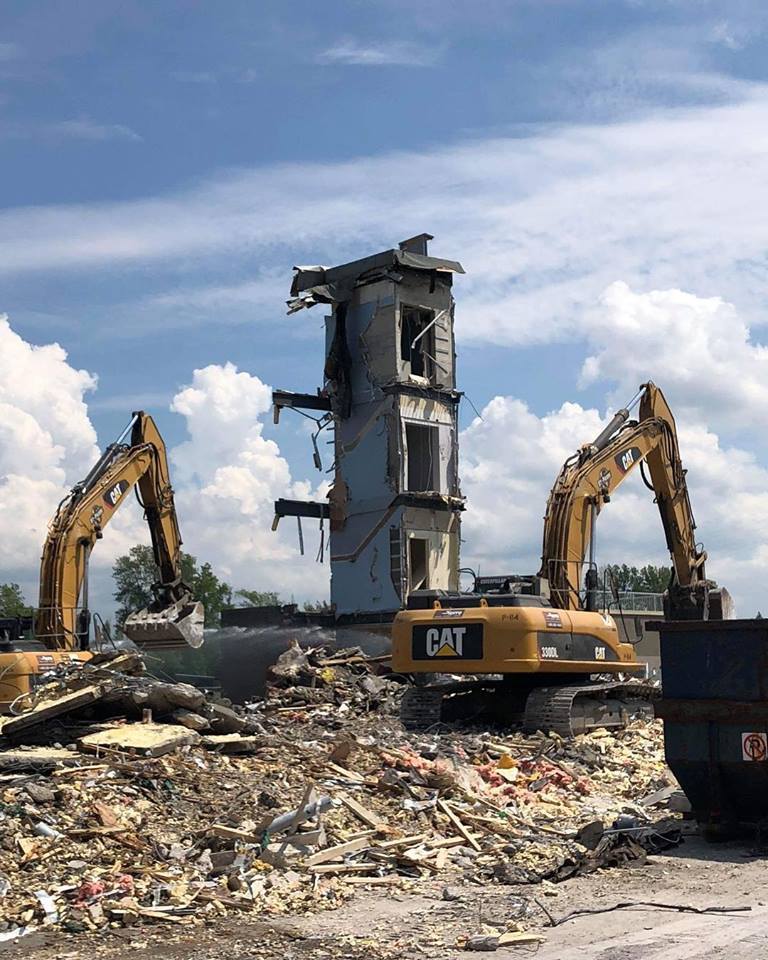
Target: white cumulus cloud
[226, 474]
[45, 436]
[510, 460]
[46, 397]
[699, 350]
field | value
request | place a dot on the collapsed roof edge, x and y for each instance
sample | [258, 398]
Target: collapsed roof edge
[318, 284]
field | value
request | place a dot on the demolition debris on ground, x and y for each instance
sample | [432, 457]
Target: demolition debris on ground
[126, 800]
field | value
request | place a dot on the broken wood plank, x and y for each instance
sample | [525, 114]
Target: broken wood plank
[38, 758]
[335, 868]
[230, 833]
[404, 841]
[340, 850]
[146, 912]
[210, 896]
[360, 835]
[70, 771]
[358, 658]
[345, 774]
[375, 881]
[312, 838]
[129, 662]
[441, 859]
[446, 843]
[443, 805]
[48, 709]
[97, 831]
[519, 937]
[149, 739]
[368, 817]
[496, 827]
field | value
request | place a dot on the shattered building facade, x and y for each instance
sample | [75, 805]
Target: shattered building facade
[390, 395]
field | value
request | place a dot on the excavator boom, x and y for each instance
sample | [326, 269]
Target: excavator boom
[174, 618]
[586, 483]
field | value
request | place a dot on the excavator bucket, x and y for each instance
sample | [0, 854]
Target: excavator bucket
[178, 625]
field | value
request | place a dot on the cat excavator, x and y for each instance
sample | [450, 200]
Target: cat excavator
[540, 646]
[59, 631]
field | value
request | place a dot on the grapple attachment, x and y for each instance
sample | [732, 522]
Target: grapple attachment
[178, 625]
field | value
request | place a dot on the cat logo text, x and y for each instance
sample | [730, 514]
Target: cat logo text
[113, 496]
[445, 641]
[453, 641]
[628, 458]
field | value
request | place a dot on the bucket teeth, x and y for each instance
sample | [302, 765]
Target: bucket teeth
[179, 625]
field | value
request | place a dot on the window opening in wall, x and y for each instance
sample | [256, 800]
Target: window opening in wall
[417, 343]
[418, 564]
[422, 456]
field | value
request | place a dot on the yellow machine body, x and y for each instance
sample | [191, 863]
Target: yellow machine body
[22, 670]
[509, 640]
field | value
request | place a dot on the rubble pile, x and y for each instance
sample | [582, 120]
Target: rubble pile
[146, 801]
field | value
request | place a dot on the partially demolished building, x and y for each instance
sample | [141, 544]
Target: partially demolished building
[389, 394]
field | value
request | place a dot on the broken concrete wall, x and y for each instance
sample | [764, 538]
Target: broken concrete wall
[363, 569]
[441, 532]
[382, 556]
[363, 454]
[389, 382]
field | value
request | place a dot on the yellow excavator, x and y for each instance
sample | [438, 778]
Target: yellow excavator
[59, 631]
[540, 645]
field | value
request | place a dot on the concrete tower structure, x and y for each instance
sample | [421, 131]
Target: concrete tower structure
[390, 394]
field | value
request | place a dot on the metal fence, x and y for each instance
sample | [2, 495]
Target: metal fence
[633, 601]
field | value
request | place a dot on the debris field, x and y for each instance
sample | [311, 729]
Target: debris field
[126, 800]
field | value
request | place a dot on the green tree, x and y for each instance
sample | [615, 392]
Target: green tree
[214, 593]
[12, 602]
[647, 579]
[258, 598]
[653, 579]
[135, 572]
[316, 606]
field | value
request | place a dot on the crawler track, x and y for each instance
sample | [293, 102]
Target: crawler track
[568, 711]
[564, 710]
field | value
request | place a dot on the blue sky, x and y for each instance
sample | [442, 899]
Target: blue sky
[114, 101]
[165, 165]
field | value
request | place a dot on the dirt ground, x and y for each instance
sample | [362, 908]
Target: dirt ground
[393, 922]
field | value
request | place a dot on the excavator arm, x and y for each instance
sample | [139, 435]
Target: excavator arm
[586, 483]
[174, 617]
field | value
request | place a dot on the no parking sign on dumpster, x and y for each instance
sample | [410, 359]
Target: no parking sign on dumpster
[754, 746]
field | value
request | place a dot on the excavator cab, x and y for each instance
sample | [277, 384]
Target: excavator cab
[12, 630]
